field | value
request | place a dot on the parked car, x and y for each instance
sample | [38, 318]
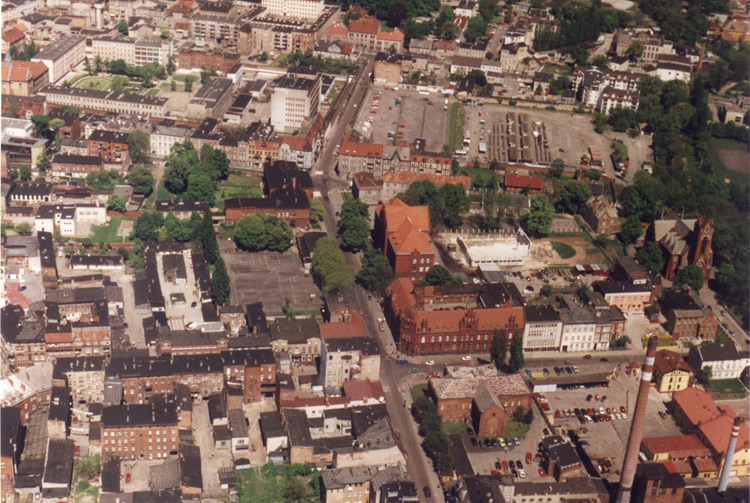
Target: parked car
[622, 409]
[603, 359]
[546, 432]
[427, 492]
[505, 465]
[516, 441]
[541, 472]
[587, 357]
[498, 465]
[528, 458]
[604, 398]
[589, 397]
[519, 465]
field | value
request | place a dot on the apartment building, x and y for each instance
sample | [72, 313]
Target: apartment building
[589, 324]
[357, 157]
[671, 372]
[725, 360]
[22, 340]
[543, 328]
[223, 29]
[627, 296]
[432, 163]
[84, 376]
[133, 52]
[308, 10]
[687, 316]
[295, 101]
[403, 233]
[141, 431]
[348, 358]
[165, 134]
[111, 146]
[620, 88]
[62, 55]
[91, 100]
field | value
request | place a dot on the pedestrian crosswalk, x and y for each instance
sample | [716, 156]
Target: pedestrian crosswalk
[386, 388]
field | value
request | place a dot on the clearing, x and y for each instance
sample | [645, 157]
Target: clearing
[270, 483]
[237, 185]
[732, 155]
[96, 83]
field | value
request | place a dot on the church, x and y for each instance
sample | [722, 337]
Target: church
[683, 242]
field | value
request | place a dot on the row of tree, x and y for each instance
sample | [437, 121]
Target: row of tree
[578, 22]
[258, 231]
[329, 266]
[376, 273]
[436, 443]
[447, 204]
[499, 352]
[354, 225]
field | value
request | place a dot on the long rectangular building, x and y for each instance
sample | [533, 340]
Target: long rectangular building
[105, 101]
[62, 55]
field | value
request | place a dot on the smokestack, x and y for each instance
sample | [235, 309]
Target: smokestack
[727, 467]
[636, 428]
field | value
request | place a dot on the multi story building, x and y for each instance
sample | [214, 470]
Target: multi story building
[212, 99]
[724, 360]
[671, 372]
[308, 10]
[75, 166]
[403, 233]
[621, 88]
[28, 390]
[357, 157]
[133, 52]
[219, 61]
[68, 218]
[143, 431]
[590, 324]
[10, 449]
[84, 376]
[452, 320]
[542, 329]
[289, 204]
[628, 296]
[687, 316]
[432, 163]
[343, 359]
[111, 146]
[31, 193]
[223, 29]
[297, 338]
[62, 56]
[683, 242]
[23, 78]
[22, 340]
[165, 134]
[601, 215]
[295, 101]
[610, 98]
[91, 100]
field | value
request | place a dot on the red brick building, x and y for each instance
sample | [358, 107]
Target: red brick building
[684, 242]
[687, 316]
[112, 146]
[403, 233]
[516, 184]
[218, 61]
[291, 205]
[76, 166]
[10, 422]
[432, 163]
[144, 431]
[654, 483]
[451, 320]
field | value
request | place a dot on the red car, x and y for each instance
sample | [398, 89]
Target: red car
[587, 357]
[127, 478]
[607, 417]
[505, 465]
[528, 458]
[557, 414]
[622, 409]
[542, 472]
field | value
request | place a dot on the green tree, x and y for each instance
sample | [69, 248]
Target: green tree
[295, 490]
[24, 228]
[475, 28]
[376, 273]
[317, 212]
[450, 31]
[573, 196]
[691, 276]
[206, 75]
[705, 375]
[631, 230]
[116, 203]
[139, 146]
[528, 418]
[635, 50]
[41, 124]
[89, 466]
[546, 291]
[182, 160]
[439, 275]
[456, 204]
[557, 167]
[499, 349]
[560, 84]
[188, 84]
[718, 75]
[650, 258]
[122, 27]
[208, 237]
[141, 179]
[488, 10]
[164, 34]
[580, 56]
[516, 361]
[355, 233]
[601, 62]
[171, 67]
[118, 84]
[25, 173]
[263, 57]
[43, 163]
[172, 85]
[257, 232]
[493, 208]
[477, 76]
[220, 284]
[146, 226]
[200, 188]
[330, 267]
[540, 216]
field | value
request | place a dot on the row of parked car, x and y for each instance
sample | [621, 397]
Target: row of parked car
[593, 415]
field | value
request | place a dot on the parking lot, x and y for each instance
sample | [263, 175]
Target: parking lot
[606, 440]
[270, 277]
[382, 120]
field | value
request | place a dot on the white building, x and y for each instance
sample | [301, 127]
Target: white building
[543, 328]
[504, 249]
[725, 361]
[343, 359]
[666, 70]
[69, 218]
[134, 53]
[295, 101]
[166, 134]
[309, 10]
[16, 128]
[62, 56]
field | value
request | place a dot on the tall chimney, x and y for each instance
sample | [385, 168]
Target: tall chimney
[636, 428]
[727, 467]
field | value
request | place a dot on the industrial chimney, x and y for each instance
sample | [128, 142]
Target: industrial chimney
[727, 467]
[630, 462]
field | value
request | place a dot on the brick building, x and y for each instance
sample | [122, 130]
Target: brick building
[112, 146]
[143, 431]
[654, 483]
[24, 78]
[22, 340]
[75, 166]
[601, 215]
[687, 316]
[403, 233]
[283, 175]
[219, 61]
[28, 390]
[517, 184]
[291, 205]
[683, 242]
[10, 449]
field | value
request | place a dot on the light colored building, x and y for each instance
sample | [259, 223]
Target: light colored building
[724, 360]
[16, 128]
[309, 10]
[507, 249]
[105, 101]
[543, 329]
[23, 78]
[295, 101]
[62, 55]
[69, 218]
[209, 28]
[349, 358]
[671, 372]
[166, 134]
[589, 325]
[133, 52]
[629, 297]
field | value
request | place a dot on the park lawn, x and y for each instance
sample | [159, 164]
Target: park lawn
[183, 78]
[455, 135]
[96, 83]
[107, 233]
[564, 250]
[453, 427]
[418, 390]
[153, 92]
[718, 143]
[237, 185]
[515, 428]
[726, 389]
[162, 194]
[268, 484]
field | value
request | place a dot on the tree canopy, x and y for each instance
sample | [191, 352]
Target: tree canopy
[539, 219]
[141, 179]
[139, 146]
[220, 284]
[354, 225]
[691, 276]
[572, 196]
[376, 273]
[116, 203]
[439, 275]
[330, 267]
[259, 231]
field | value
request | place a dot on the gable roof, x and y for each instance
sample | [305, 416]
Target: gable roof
[408, 238]
[677, 446]
[397, 211]
[672, 233]
[699, 407]
[717, 433]
[523, 181]
[486, 399]
[354, 327]
[12, 36]
[337, 29]
[23, 71]
[393, 36]
[367, 24]
[668, 361]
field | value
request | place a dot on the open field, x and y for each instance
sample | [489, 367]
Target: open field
[564, 250]
[732, 156]
[550, 251]
[107, 233]
[268, 484]
[237, 185]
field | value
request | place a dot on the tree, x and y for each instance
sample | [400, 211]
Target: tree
[650, 258]
[439, 275]
[635, 50]
[355, 234]
[705, 375]
[172, 85]
[557, 167]
[89, 466]
[540, 216]
[499, 348]
[257, 232]
[397, 13]
[220, 284]
[559, 85]
[516, 361]
[141, 179]
[317, 212]
[493, 208]
[200, 188]
[631, 230]
[601, 62]
[25, 173]
[475, 28]
[24, 228]
[718, 75]
[263, 57]
[182, 160]
[488, 10]
[43, 163]
[138, 146]
[41, 124]
[188, 84]
[622, 119]
[580, 56]
[376, 273]
[573, 196]
[456, 204]
[330, 268]
[477, 76]
[116, 203]
[296, 490]
[122, 27]
[450, 30]
[206, 75]
[691, 276]
[147, 225]
[118, 84]
[546, 290]
[164, 34]
[208, 237]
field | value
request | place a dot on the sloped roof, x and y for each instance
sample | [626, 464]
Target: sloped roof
[677, 446]
[397, 211]
[668, 361]
[393, 36]
[23, 71]
[337, 29]
[408, 238]
[437, 180]
[367, 24]
[672, 233]
[522, 181]
[699, 407]
[505, 385]
[12, 36]
[486, 399]
[717, 433]
[355, 327]
[361, 389]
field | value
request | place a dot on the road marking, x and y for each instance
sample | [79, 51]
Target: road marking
[386, 388]
[318, 173]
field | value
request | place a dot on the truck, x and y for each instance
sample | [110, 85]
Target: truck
[482, 147]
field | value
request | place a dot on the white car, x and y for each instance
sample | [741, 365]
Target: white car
[601, 410]
[430, 362]
[624, 416]
[617, 415]
[522, 474]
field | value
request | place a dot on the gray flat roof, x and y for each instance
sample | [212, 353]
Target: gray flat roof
[104, 95]
[58, 48]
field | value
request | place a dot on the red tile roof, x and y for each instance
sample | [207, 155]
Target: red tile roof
[718, 430]
[699, 407]
[337, 29]
[16, 297]
[393, 36]
[409, 238]
[23, 71]
[353, 328]
[445, 45]
[677, 446]
[362, 389]
[12, 36]
[668, 361]
[437, 180]
[372, 150]
[522, 181]
[368, 24]
[397, 211]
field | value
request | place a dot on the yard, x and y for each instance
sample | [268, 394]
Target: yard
[96, 83]
[516, 429]
[237, 185]
[153, 92]
[107, 233]
[565, 251]
[726, 389]
[455, 134]
[733, 157]
[453, 427]
[84, 489]
[279, 484]
[558, 70]
[418, 390]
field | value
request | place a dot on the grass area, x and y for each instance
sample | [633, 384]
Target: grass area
[736, 177]
[662, 342]
[77, 78]
[237, 186]
[162, 194]
[418, 391]
[96, 83]
[583, 235]
[107, 233]
[453, 427]
[558, 70]
[269, 484]
[455, 135]
[84, 489]
[515, 428]
[183, 78]
[564, 250]
[718, 143]
[153, 92]
[333, 95]
[726, 389]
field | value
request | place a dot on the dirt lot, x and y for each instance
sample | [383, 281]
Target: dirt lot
[270, 277]
[734, 159]
[542, 251]
[420, 118]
